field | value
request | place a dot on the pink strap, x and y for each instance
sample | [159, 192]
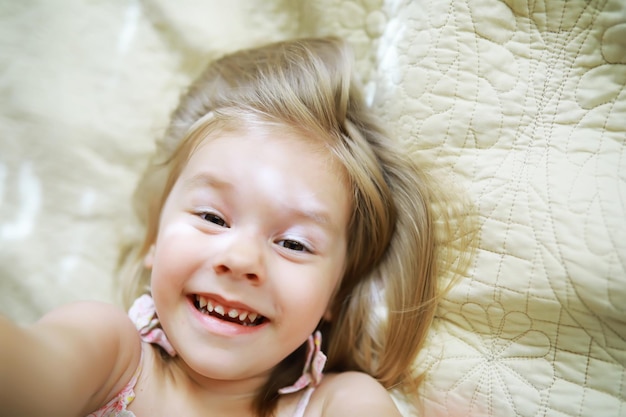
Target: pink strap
[313, 367]
[143, 314]
[117, 405]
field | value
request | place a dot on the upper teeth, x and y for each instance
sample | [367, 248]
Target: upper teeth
[212, 306]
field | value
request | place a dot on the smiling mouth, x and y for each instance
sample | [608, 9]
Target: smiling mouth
[233, 315]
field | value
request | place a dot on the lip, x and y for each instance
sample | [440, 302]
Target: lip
[221, 327]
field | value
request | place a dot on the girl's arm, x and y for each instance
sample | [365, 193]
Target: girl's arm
[69, 363]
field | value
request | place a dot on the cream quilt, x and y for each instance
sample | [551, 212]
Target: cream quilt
[521, 102]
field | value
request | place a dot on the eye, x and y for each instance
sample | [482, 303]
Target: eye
[213, 218]
[293, 245]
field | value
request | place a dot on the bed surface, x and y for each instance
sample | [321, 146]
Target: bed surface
[522, 104]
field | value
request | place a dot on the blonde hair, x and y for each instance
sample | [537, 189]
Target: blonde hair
[387, 298]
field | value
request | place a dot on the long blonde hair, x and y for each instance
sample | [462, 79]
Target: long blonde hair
[387, 298]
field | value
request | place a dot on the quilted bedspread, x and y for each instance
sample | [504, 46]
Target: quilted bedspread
[522, 103]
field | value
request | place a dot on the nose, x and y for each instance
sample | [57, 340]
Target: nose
[241, 257]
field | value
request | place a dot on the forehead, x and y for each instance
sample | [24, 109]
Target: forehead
[235, 134]
[276, 160]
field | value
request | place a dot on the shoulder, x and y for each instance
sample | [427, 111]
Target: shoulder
[92, 322]
[355, 393]
[97, 329]
[102, 343]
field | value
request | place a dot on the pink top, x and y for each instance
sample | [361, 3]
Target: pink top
[143, 315]
[117, 406]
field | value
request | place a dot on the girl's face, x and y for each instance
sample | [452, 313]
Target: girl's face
[251, 246]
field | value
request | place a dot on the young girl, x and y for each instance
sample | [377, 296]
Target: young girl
[288, 265]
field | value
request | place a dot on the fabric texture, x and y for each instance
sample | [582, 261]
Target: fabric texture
[519, 103]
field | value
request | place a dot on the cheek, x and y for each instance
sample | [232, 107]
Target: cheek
[174, 253]
[309, 297]
[336, 270]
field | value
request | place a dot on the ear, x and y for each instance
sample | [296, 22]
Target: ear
[148, 260]
[328, 315]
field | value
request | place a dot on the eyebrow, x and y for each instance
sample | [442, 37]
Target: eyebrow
[205, 179]
[317, 217]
